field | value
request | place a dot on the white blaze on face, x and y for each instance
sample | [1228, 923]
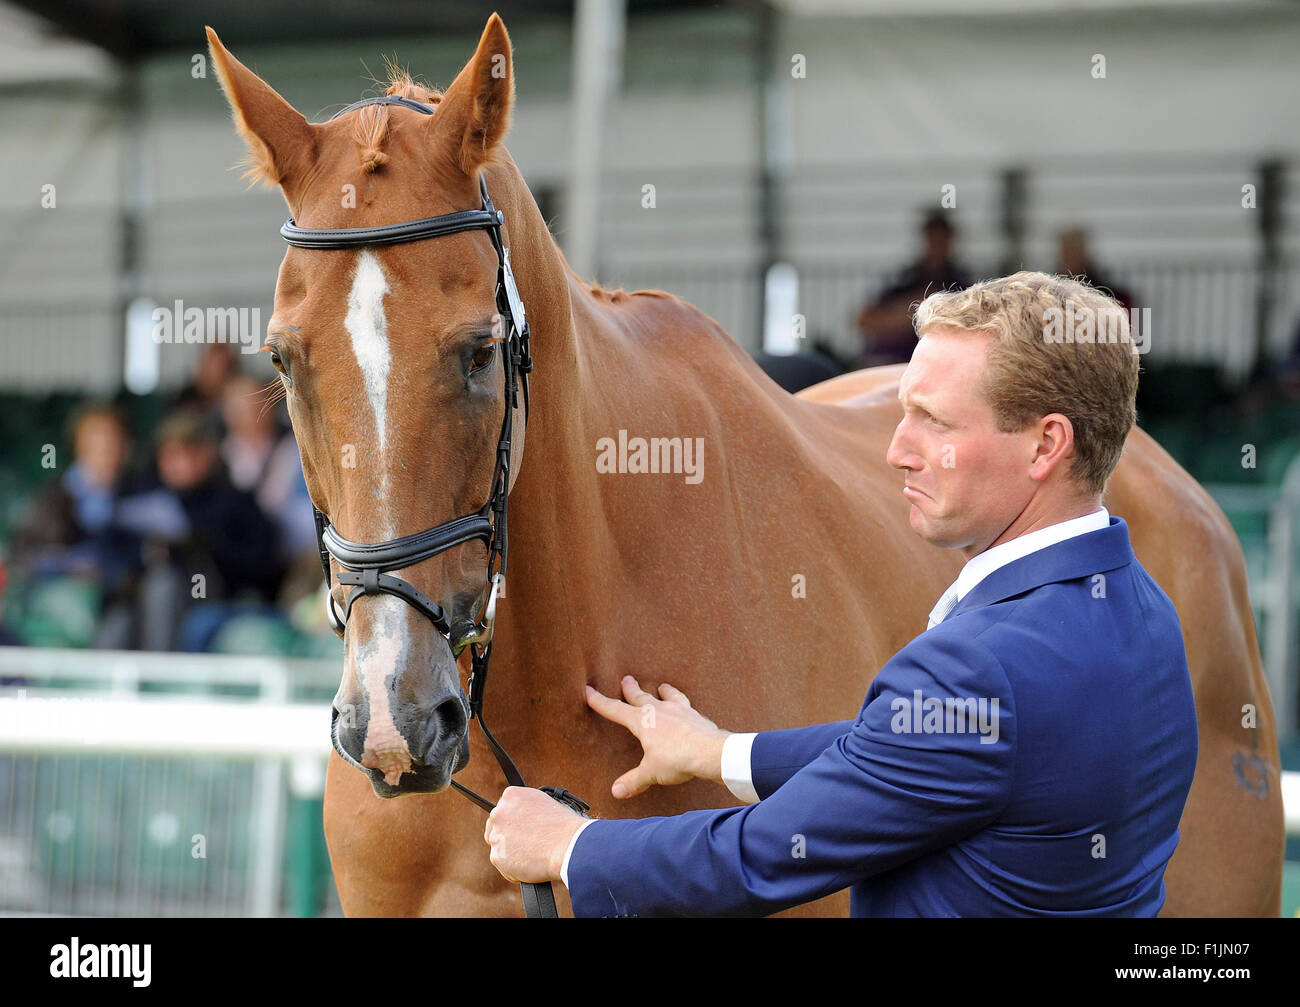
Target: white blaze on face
[368, 328]
[376, 658]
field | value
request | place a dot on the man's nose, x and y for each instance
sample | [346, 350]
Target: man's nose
[898, 453]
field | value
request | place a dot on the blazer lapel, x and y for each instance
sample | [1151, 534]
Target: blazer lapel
[1081, 556]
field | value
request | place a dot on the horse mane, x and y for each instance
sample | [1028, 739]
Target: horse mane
[371, 127]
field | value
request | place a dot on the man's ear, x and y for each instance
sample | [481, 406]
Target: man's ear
[1058, 432]
[474, 113]
[281, 143]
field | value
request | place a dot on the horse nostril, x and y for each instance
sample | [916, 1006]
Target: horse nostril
[452, 714]
[446, 727]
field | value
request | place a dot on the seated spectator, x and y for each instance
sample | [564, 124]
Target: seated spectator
[885, 324]
[76, 526]
[262, 457]
[210, 546]
[1074, 259]
[216, 368]
[1286, 372]
[252, 430]
[71, 526]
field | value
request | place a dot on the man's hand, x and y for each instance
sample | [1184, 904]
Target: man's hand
[679, 744]
[529, 833]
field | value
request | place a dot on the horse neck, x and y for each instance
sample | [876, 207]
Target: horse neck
[549, 288]
[592, 376]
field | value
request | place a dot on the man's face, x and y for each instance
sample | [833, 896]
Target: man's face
[938, 243]
[101, 448]
[965, 479]
[1073, 251]
[182, 466]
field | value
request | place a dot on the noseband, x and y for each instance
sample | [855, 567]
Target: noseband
[365, 566]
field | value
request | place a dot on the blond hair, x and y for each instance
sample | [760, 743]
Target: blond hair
[1031, 370]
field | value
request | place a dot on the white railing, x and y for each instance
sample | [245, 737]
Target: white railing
[128, 670]
[91, 705]
[106, 714]
[1291, 801]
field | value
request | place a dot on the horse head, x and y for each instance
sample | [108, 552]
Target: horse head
[392, 358]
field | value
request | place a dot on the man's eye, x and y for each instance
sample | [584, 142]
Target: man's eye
[482, 357]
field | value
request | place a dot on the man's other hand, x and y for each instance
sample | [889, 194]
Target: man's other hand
[678, 743]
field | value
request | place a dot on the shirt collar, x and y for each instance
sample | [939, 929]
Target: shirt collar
[979, 567]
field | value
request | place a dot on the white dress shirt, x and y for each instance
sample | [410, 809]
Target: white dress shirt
[736, 771]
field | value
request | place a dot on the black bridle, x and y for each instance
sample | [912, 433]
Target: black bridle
[365, 566]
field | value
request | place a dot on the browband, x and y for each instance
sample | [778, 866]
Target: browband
[390, 234]
[393, 234]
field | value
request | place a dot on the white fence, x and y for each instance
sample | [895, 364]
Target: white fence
[120, 796]
[161, 784]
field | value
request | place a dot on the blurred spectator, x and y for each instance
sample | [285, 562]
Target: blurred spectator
[77, 525]
[1074, 259]
[216, 368]
[261, 455]
[1286, 373]
[211, 543]
[252, 430]
[885, 324]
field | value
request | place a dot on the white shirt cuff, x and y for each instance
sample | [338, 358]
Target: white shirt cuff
[736, 773]
[564, 867]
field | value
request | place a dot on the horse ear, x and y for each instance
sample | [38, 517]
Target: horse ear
[281, 143]
[479, 100]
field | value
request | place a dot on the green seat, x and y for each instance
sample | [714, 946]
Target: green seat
[253, 633]
[59, 612]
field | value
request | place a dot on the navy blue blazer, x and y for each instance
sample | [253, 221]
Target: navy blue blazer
[1029, 755]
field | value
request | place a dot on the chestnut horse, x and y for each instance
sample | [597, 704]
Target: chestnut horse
[769, 582]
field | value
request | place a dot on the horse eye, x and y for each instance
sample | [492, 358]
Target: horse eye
[482, 357]
[278, 363]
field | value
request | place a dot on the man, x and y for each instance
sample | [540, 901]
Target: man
[79, 529]
[200, 526]
[74, 526]
[885, 324]
[1028, 754]
[1075, 259]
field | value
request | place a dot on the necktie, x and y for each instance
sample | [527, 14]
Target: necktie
[947, 602]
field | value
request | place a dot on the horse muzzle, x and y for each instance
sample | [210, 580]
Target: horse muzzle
[443, 751]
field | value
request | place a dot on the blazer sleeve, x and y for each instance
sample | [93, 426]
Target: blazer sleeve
[878, 796]
[777, 755]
